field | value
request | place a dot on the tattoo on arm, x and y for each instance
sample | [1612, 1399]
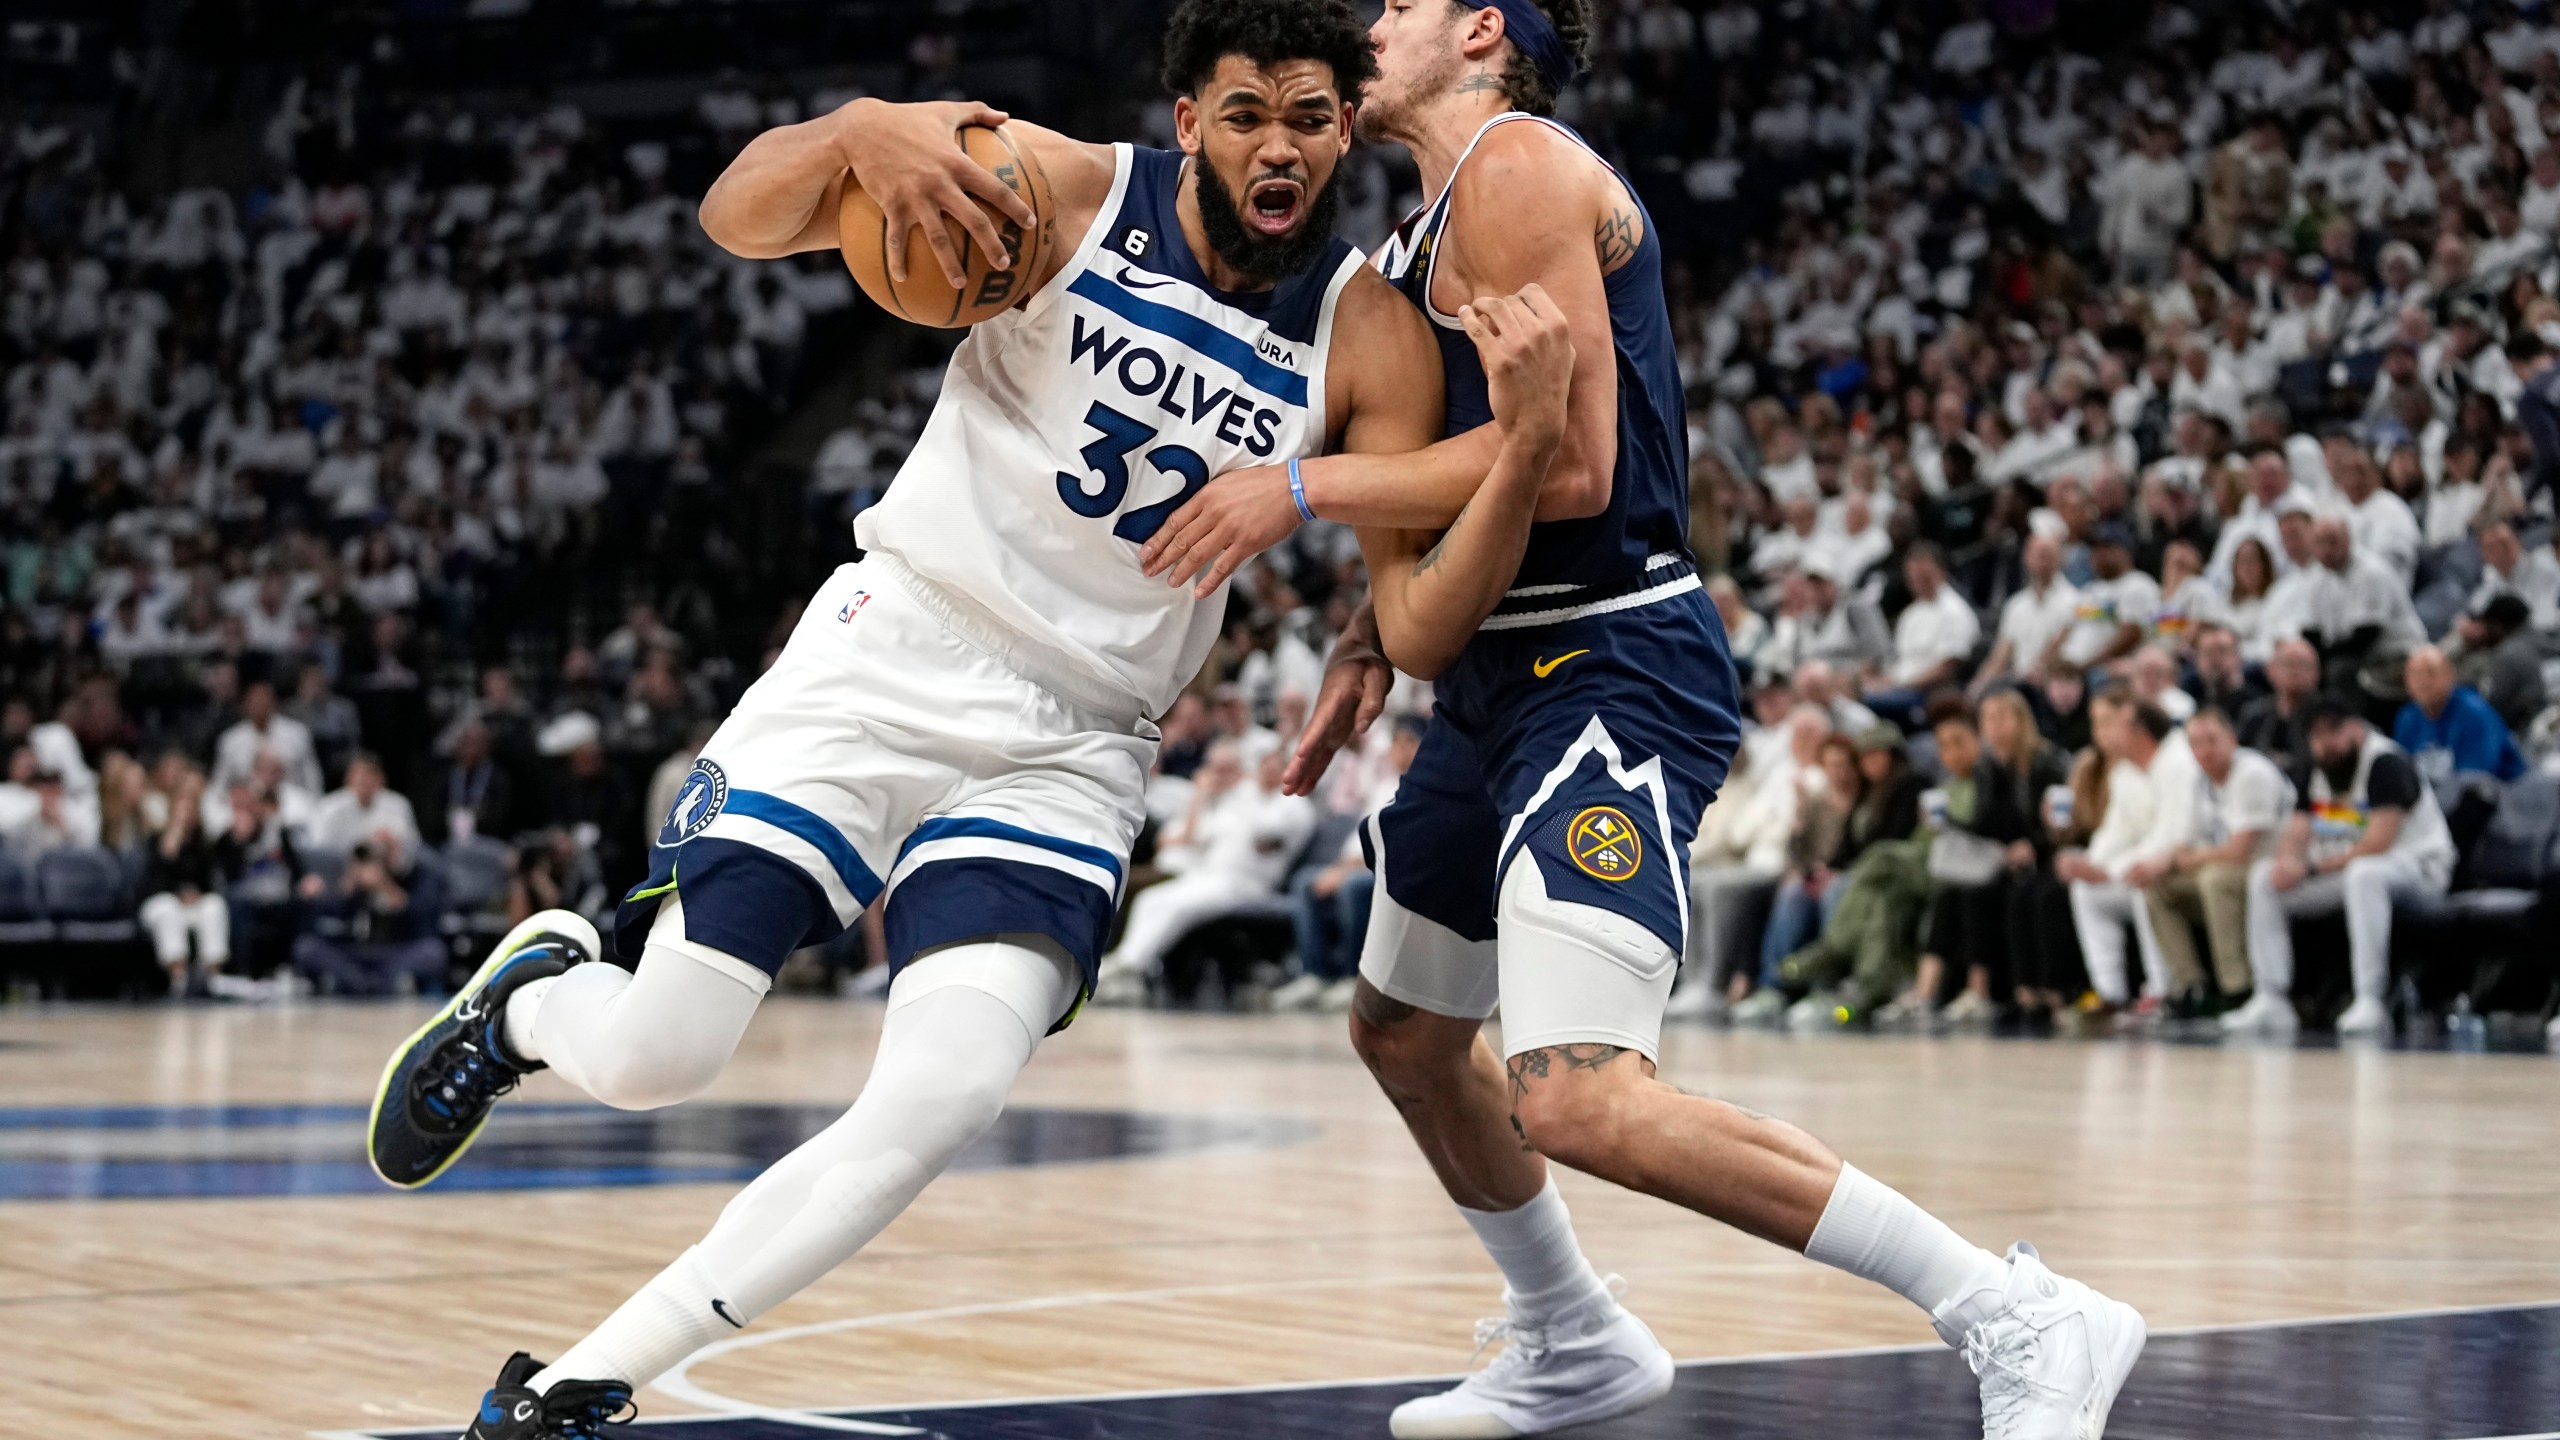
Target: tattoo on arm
[1617, 239]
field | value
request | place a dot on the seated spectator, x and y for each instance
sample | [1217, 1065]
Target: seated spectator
[2222, 681]
[2367, 833]
[264, 730]
[363, 812]
[2498, 653]
[1241, 838]
[2153, 673]
[329, 717]
[367, 934]
[1933, 639]
[2149, 778]
[1740, 853]
[1332, 901]
[1867, 946]
[1819, 685]
[2448, 729]
[2061, 701]
[57, 821]
[2240, 803]
[1745, 632]
[473, 795]
[2244, 609]
[183, 892]
[2034, 620]
[2044, 938]
[2116, 607]
[1997, 771]
[1818, 621]
[256, 857]
[550, 870]
[2277, 724]
[1817, 848]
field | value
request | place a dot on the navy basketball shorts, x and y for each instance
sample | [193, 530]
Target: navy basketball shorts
[1536, 855]
[884, 755]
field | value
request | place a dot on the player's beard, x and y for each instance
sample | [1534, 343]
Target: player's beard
[1266, 258]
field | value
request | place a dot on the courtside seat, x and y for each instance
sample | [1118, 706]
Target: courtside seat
[22, 917]
[97, 939]
[2471, 938]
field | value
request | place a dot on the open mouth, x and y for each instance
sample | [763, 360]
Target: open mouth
[1272, 205]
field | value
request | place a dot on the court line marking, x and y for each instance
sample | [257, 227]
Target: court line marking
[677, 1383]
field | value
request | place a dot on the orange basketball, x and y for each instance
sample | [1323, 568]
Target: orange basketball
[926, 296]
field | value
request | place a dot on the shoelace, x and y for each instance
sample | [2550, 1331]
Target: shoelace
[462, 1082]
[1529, 1343]
[2007, 1390]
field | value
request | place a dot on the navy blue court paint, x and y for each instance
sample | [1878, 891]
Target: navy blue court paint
[2457, 1375]
[128, 1152]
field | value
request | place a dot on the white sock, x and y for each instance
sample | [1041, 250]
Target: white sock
[515, 1027]
[1541, 1261]
[670, 1318]
[1874, 1232]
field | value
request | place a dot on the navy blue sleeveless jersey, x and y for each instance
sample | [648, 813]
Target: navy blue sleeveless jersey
[1593, 716]
[1147, 233]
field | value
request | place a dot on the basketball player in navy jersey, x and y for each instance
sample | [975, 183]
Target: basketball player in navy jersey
[1535, 852]
[959, 725]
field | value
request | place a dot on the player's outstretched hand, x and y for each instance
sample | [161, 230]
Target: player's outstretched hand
[1528, 362]
[909, 158]
[1354, 694]
[1235, 517]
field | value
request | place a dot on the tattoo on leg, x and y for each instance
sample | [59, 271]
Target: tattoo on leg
[1525, 1147]
[1538, 1064]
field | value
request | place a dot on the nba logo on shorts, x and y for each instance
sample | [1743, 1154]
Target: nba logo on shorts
[705, 791]
[853, 607]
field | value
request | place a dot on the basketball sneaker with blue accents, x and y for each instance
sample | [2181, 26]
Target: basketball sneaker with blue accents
[1590, 1363]
[437, 1090]
[571, 1410]
[2050, 1353]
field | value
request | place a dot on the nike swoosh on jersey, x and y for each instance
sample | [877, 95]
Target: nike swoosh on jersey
[1129, 278]
[1544, 668]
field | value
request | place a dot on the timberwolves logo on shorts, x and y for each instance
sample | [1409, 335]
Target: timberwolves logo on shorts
[1604, 844]
[704, 792]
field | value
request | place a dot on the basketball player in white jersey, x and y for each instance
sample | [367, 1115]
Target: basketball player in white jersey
[961, 721]
[1584, 730]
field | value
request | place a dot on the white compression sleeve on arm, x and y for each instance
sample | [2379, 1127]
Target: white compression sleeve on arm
[961, 1023]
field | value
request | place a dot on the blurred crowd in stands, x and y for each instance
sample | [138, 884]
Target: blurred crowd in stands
[2122, 439]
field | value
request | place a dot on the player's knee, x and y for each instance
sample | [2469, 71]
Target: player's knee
[643, 1077]
[1396, 1039]
[1569, 1109]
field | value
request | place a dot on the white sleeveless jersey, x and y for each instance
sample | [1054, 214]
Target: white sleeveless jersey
[1070, 430]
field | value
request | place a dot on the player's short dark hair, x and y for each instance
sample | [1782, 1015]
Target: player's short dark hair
[1203, 32]
[1522, 85]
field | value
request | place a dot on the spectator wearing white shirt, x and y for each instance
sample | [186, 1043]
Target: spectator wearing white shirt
[363, 812]
[2148, 783]
[263, 729]
[2149, 197]
[2507, 568]
[2349, 601]
[2115, 608]
[2240, 803]
[2379, 521]
[1817, 622]
[2034, 620]
[1933, 638]
[1741, 851]
[1245, 832]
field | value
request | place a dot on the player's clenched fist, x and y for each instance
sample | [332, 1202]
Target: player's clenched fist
[1528, 362]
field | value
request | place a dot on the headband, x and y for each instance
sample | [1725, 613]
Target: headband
[1536, 37]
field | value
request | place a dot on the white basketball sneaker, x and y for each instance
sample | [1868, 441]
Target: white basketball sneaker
[2050, 1353]
[1591, 1363]
[2266, 1012]
[2367, 1019]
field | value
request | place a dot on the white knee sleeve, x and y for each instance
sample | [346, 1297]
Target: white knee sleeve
[645, 1040]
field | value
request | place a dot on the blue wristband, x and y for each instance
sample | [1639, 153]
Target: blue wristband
[1298, 492]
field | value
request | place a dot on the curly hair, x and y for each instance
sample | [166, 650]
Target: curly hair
[1203, 32]
[1522, 85]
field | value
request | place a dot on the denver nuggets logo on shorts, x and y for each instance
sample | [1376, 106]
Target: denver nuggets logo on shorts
[1604, 844]
[697, 804]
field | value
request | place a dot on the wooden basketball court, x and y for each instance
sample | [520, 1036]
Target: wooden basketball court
[1211, 1204]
